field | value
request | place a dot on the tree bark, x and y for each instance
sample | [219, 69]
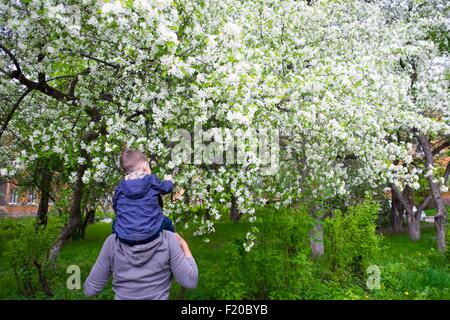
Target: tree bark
[207, 213]
[186, 198]
[74, 216]
[45, 187]
[396, 213]
[414, 228]
[316, 239]
[42, 279]
[440, 218]
[88, 219]
[234, 212]
[13, 110]
[28, 288]
[413, 217]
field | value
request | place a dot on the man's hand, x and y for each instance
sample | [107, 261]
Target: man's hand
[169, 178]
[146, 168]
[184, 246]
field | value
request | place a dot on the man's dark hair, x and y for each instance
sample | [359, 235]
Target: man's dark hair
[130, 159]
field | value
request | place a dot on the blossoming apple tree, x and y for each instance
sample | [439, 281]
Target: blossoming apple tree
[81, 80]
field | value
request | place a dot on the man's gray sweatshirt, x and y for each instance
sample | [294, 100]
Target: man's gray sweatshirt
[142, 272]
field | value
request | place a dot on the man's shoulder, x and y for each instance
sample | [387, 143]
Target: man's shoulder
[109, 246]
[168, 236]
[110, 240]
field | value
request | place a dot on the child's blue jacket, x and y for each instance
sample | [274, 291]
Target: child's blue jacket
[137, 206]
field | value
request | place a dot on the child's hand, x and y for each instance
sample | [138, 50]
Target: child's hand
[168, 177]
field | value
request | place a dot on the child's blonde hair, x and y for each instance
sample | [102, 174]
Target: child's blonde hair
[131, 160]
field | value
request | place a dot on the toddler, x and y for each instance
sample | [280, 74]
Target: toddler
[137, 201]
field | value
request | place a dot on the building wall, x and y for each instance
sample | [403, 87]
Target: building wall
[445, 197]
[2, 198]
[22, 207]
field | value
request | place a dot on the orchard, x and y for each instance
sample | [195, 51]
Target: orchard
[329, 116]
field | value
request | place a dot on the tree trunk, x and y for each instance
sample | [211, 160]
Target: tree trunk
[45, 187]
[439, 222]
[43, 280]
[182, 294]
[28, 285]
[413, 218]
[440, 218]
[186, 198]
[414, 227]
[234, 212]
[88, 219]
[74, 216]
[316, 239]
[207, 213]
[396, 213]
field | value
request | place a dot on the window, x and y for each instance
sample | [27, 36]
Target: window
[31, 197]
[13, 196]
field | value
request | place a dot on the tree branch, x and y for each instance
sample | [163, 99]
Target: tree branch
[13, 110]
[112, 65]
[401, 198]
[41, 85]
[12, 57]
[441, 147]
[429, 197]
[425, 203]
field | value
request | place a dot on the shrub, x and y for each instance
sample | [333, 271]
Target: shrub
[277, 267]
[283, 253]
[27, 254]
[350, 240]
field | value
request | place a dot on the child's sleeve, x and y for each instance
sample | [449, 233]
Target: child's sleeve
[114, 200]
[164, 186]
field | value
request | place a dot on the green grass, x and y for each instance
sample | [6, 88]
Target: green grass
[408, 270]
[413, 270]
[432, 211]
[82, 253]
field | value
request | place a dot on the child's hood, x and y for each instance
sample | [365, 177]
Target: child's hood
[136, 188]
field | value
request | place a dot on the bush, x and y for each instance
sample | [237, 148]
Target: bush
[27, 250]
[283, 253]
[277, 267]
[350, 240]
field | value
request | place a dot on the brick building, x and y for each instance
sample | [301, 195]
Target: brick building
[16, 202]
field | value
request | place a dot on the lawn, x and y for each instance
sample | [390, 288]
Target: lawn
[408, 270]
[432, 211]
